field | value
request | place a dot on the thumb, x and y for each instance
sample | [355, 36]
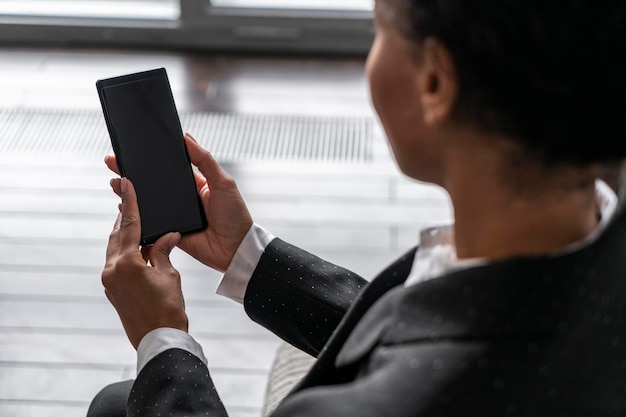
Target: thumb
[159, 255]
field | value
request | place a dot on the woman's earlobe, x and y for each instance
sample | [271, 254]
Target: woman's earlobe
[436, 115]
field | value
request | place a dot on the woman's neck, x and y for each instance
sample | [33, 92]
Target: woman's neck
[522, 227]
[496, 217]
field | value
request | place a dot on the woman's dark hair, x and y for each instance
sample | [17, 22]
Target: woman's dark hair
[548, 73]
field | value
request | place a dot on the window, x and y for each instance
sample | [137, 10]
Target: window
[318, 26]
[115, 9]
[302, 4]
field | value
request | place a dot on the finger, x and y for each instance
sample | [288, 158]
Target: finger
[200, 180]
[204, 161]
[201, 185]
[130, 225]
[111, 163]
[116, 185]
[159, 254]
[114, 242]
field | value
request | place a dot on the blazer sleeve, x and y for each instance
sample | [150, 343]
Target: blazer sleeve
[298, 296]
[177, 383]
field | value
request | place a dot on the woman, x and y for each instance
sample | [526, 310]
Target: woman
[517, 308]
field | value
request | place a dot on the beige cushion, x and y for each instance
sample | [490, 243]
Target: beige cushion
[289, 367]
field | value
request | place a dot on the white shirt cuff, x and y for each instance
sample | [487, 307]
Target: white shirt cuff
[235, 280]
[162, 339]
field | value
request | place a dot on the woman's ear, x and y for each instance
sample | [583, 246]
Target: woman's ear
[437, 82]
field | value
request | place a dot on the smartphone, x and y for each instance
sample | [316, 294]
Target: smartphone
[148, 143]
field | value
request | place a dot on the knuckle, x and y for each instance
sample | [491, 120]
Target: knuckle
[107, 277]
[172, 273]
[205, 163]
[229, 181]
[162, 250]
[125, 261]
[226, 182]
[124, 264]
[206, 156]
[128, 221]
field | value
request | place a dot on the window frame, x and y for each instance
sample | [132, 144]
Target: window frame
[207, 27]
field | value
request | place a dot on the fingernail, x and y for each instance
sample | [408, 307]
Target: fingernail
[124, 185]
[191, 137]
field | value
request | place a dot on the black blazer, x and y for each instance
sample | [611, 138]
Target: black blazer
[532, 336]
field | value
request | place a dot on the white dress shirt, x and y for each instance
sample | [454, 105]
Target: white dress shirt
[436, 256]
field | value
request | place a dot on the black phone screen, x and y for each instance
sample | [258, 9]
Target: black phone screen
[148, 142]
